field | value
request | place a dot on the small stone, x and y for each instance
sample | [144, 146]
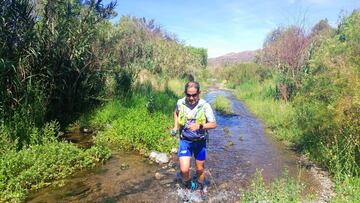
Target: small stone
[223, 186]
[166, 181]
[124, 166]
[171, 170]
[158, 157]
[162, 158]
[153, 155]
[158, 176]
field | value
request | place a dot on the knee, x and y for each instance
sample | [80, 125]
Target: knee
[200, 169]
[184, 169]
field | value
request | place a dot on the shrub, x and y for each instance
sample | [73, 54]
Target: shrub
[283, 189]
[223, 105]
[36, 166]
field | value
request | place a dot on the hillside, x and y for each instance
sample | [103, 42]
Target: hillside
[245, 56]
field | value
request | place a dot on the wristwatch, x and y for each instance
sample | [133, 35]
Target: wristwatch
[201, 126]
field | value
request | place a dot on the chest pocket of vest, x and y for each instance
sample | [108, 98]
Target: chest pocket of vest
[198, 115]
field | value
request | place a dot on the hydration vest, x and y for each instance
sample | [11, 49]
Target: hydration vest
[196, 116]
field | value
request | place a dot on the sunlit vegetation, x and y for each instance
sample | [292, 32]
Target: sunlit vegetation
[45, 160]
[306, 89]
[223, 105]
[284, 189]
[140, 122]
[60, 59]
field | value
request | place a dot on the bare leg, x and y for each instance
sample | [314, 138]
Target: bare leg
[184, 163]
[200, 165]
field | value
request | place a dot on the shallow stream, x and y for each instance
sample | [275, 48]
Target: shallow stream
[236, 148]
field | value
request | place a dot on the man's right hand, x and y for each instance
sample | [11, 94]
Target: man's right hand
[173, 132]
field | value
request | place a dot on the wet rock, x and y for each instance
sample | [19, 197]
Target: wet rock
[158, 157]
[171, 164]
[166, 181]
[158, 176]
[124, 166]
[223, 186]
[171, 170]
[226, 130]
[229, 144]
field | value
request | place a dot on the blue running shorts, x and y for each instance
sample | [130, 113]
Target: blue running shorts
[188, 148]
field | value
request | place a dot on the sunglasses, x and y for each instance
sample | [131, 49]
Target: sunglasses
[191, 95]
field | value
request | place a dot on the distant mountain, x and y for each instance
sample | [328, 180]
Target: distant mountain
[245, 56]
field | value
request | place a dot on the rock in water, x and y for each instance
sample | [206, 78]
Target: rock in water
[158, 176]
[158, 157]
[162, 158]
[153, 154]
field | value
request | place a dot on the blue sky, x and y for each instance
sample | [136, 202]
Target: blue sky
[224, 26]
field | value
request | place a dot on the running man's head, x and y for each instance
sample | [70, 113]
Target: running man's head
[192, 91]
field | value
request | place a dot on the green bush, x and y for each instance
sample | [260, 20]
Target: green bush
[277, 115]
[223, 105]
[130, 124]
[347, 190]
[36, 166]
[284, 189]
[237, 74]
[328, 105]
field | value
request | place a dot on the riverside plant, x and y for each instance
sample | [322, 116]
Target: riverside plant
[285, 189]
[223, 105]
[133, 125]
[38, 165]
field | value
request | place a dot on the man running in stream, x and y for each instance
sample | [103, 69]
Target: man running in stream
[193, 117]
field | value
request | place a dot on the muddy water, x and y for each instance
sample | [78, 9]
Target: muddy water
[235, 150]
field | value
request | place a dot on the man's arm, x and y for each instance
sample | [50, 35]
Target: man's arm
[176, 123]
[210, 125]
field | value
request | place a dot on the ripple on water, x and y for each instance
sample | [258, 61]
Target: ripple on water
[229, 167]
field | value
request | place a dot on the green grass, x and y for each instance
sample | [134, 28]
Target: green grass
[177, 86]
[140, 122]
[222, 105]
[277, 116]
[347, 190]
[285, 189]
[280, 118]
[39, 165]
